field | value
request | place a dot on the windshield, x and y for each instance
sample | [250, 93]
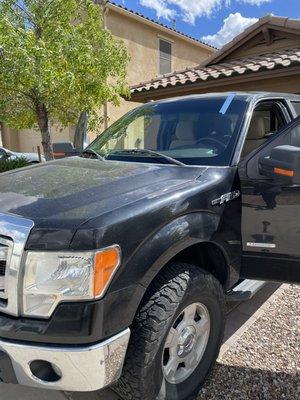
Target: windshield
[195, 131]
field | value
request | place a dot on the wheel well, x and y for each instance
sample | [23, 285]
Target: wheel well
[206, 255]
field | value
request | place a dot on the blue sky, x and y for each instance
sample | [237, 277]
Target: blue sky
[213, 21]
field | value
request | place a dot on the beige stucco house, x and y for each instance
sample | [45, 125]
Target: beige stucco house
[154, 49]
[265, 57]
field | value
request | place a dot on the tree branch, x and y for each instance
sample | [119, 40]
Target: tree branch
[29, 16]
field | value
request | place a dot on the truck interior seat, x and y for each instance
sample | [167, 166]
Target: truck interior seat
[256, 135]
[184, 135]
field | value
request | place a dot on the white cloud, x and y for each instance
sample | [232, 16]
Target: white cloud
[194, 9]
[255, 2]
[160, 7]
[189, 9]
[232, 26]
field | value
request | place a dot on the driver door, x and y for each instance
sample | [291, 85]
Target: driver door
[270, 215]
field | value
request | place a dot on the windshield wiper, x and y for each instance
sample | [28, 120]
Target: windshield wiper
[94, 153]
[153, 153]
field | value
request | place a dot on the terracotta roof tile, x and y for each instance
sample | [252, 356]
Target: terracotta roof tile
[279, 59]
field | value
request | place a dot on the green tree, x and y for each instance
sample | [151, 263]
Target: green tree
[56, 60]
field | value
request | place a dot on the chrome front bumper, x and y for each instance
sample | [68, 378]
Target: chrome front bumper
[76, 368]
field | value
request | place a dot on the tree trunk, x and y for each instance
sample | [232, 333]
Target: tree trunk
[43, 122]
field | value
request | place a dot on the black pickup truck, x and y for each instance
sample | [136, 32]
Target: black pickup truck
[116, 264]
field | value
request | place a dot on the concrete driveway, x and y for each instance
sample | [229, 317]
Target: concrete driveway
[239, 318]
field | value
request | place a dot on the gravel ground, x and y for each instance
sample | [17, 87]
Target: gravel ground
[265, 362]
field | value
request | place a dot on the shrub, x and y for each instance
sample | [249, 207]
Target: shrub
[7, 164]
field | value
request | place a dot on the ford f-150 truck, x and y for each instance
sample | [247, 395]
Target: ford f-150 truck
[116, 264]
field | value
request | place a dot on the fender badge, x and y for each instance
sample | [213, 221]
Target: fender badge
[226, 197]
[262, 245]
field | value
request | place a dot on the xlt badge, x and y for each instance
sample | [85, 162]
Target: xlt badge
[226, 197]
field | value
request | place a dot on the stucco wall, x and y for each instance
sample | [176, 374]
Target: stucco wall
[142, 42]
[27, 140]
[10, 138]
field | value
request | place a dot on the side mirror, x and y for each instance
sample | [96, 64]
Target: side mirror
[284, 162]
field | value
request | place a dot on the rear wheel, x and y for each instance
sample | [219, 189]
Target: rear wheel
[176, 336]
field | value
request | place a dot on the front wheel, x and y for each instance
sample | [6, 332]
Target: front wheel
[176, 336]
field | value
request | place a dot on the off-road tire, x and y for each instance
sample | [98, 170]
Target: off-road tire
[174, 289]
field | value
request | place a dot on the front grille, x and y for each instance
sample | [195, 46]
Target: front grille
[2, 267]
[4, 252]
[14, 232]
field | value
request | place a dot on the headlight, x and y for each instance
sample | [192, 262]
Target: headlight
[53, 277]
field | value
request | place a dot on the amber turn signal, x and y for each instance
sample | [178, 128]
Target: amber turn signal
[105, 264]
[284, 172]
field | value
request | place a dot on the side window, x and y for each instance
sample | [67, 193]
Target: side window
[296, 105]
[289, 136]
[165, 57]
[271, 119]
[266, 120]
[295, 136]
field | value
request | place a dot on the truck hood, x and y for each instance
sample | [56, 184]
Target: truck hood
[65, 193]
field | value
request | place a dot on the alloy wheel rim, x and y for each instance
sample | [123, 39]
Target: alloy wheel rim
[186, 343]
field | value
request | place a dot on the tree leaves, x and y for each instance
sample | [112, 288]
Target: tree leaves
[55, 54]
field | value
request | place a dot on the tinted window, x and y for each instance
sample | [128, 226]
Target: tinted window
[295, 136]
[194, 131]
[296, 105]
[271, 118]
[286, 136]
[266, 120]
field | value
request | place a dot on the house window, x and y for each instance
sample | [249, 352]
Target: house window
[165, 57]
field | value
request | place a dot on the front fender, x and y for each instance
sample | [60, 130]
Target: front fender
[168, 241]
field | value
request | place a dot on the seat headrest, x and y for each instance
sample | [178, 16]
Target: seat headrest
[257, 128]
[185, 130]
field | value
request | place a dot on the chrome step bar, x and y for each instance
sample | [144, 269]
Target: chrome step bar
[244, 290]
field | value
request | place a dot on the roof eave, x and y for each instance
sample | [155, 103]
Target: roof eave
[252, 30]
[189, 88]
